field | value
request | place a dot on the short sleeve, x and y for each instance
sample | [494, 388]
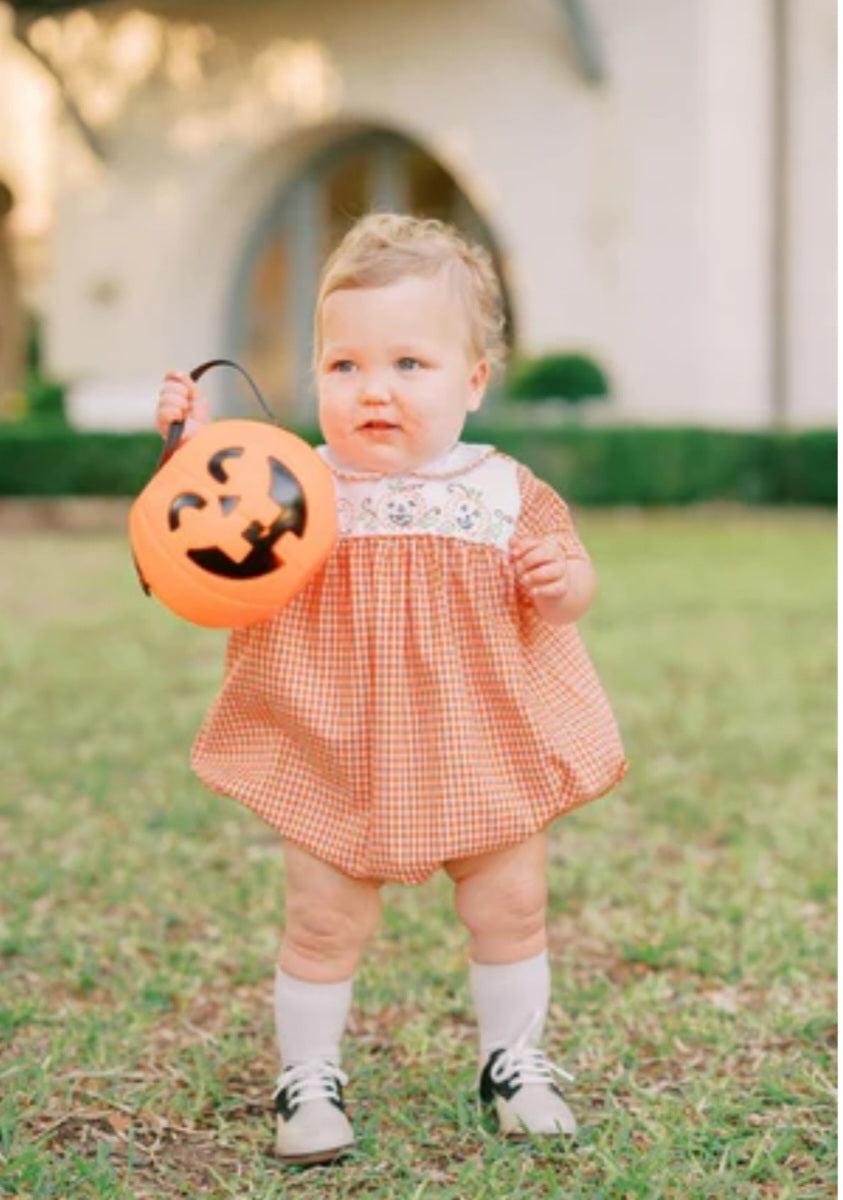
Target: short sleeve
[543, 513]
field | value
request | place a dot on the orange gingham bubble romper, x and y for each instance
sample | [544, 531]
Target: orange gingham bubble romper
[409, 706]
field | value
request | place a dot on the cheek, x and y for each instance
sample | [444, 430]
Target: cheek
[331, 404]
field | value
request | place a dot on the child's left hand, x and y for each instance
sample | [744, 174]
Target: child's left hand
[541, 566]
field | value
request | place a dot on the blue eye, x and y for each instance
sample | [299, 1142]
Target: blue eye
[407, 363]
[343, 366]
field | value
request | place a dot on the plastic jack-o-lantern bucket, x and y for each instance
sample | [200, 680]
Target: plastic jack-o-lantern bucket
[235, 521]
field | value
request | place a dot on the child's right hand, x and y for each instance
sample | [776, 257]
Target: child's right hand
[179, 399]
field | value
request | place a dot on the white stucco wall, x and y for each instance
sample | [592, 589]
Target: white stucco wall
[634, 217]
[811, 205]
[733, 202]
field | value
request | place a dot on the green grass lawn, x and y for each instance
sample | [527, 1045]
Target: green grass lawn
[692, 922]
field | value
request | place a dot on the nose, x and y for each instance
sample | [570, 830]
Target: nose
[375, 390]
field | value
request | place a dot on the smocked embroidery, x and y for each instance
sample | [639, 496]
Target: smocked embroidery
[474, 498]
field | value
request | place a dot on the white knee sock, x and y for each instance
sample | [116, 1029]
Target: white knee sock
[310, 1018]
[507, 997]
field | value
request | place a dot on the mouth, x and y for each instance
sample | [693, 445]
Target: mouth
[377, 426]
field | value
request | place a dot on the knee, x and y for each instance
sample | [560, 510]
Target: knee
[508, 908]
[330, 931]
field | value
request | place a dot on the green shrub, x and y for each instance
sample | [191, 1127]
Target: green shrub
[600, 466]
[40, 400]
[45, 401]
[38, 403]
[575, 378]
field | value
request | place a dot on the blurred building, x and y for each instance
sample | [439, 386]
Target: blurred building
[656, 178]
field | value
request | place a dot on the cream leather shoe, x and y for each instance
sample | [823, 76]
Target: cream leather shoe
[522, 1084]
[312, 1126]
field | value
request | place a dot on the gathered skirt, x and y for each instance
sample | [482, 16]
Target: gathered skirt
[409, 708]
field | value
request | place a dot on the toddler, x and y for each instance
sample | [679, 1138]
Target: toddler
[426, 702]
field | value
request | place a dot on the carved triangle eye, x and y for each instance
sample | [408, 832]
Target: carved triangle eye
[228, 504]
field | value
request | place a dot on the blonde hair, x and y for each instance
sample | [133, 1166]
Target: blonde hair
[382, 248]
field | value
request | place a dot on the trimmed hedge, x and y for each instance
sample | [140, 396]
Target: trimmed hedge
[52, 460]
[598, 466]
[659, 466]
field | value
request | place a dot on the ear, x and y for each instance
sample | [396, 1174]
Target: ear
[478, 381]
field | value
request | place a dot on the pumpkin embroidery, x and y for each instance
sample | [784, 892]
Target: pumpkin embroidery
[481, 506]
[467, 509]
[402, 508]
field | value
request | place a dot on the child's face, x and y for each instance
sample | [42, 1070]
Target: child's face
[395, 377]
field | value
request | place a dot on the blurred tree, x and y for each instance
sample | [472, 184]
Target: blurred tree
[11, 316]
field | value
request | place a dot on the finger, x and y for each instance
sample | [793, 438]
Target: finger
[170, 411]
[167, 414]
[532, 560]
[176, 387]
[546, 575]
[551, 591]
[180, 377]
[541, 555]
[519, 546]
[173, 409]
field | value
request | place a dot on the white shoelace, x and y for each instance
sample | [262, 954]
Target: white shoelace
[316, 1080]
[523, 1063]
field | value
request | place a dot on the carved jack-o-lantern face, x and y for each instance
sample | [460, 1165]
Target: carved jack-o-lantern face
[256, 505]
[235, 524]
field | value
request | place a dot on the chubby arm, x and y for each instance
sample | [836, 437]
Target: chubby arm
[551, 564]
[561, 585]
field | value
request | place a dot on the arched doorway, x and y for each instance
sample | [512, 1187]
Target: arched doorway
[274, 295]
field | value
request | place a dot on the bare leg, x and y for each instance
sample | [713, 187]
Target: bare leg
[329, 918]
